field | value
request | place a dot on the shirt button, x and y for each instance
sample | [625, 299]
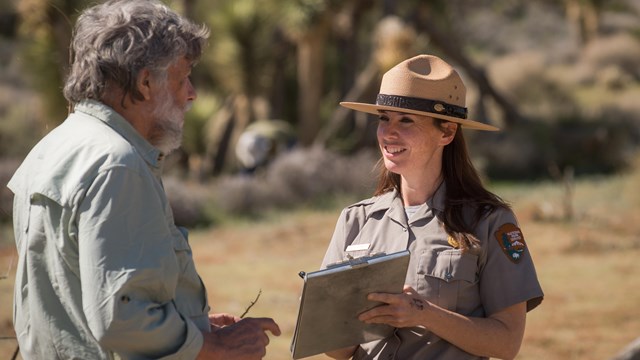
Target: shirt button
[404, 229]
[448, 276]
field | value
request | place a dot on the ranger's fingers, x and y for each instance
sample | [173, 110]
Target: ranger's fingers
[374, 314]
[384, 297]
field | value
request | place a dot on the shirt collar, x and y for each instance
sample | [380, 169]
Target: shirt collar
[113, 119]
[438, 198]
[393, 199]
[385, 201]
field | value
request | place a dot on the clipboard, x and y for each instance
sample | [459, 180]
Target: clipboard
[333, 298]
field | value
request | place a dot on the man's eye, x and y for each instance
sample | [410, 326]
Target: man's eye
[383, 118]
[406, 120]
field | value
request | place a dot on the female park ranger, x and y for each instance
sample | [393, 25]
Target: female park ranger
[471, 279]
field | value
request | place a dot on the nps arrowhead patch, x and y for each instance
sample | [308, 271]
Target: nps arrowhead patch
[511, 241]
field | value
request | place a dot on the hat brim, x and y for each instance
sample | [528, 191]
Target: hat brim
[375, 109]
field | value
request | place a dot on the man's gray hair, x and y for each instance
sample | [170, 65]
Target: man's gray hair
[114, 41]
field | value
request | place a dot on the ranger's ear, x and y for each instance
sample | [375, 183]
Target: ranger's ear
[448, 132]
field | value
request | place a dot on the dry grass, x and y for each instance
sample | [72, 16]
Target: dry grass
[588, 268]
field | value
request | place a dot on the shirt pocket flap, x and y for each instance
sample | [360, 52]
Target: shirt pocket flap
[180, 244]
[449, 265]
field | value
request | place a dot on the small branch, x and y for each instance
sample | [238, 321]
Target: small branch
[15, 353]
[251, 305]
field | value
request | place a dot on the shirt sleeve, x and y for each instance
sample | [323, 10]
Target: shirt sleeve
[508, 275]
[336, 247]
[129, 271]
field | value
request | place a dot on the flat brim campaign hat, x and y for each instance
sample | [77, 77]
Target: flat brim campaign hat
[423, 85]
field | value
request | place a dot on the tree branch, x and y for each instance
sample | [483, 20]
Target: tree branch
[251, 305]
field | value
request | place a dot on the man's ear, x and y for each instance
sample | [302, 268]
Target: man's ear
[448, 132]
[143, 83]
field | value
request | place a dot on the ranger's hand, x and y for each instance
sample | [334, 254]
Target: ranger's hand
[401, 310]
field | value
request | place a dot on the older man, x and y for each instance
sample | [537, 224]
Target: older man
[103, 271]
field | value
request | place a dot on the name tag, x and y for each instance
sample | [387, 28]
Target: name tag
[358, 247]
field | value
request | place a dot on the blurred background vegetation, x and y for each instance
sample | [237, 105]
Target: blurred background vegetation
[560, 77]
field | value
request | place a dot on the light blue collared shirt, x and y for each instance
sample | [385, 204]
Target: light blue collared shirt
[103, 271]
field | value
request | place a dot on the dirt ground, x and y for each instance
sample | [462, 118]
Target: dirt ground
[588, 268]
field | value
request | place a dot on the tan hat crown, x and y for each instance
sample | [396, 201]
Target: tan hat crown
[423, 85]
[426, 77]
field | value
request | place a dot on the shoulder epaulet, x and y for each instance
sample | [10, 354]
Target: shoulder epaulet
[364, 202]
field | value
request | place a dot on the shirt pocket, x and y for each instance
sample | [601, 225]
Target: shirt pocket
[191, 295]
[444, 275]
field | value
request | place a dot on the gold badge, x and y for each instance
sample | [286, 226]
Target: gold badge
[511, 241]
[453, 242]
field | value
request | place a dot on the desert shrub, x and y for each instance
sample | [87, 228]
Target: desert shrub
[590, 146]
[236, 194]
[302, 177]
[499, 27]
[609, 62]
[19, 128]
[601, 146]
[524, 78]
[625, 106]
[188, 201]
[308, 173]
[620, 50]
[521, 152]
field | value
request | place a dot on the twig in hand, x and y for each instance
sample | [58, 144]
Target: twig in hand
[15, 353]
[251, 305]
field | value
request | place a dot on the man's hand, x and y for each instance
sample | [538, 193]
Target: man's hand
[220, 320]
[245, 339]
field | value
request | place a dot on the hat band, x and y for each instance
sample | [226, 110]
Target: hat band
[426, 105]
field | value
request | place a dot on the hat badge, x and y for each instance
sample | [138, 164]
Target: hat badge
[438, 107]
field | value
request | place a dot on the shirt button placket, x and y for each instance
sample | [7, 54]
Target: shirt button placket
[405, 230]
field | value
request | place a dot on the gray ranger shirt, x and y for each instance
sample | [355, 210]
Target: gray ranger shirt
[473, 283]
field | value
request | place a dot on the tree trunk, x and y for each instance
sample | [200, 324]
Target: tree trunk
[365, 81]
[189, 9]
[353, 86]
[218, 134]
[310, 80]
[278, 93]
[584, 19]
[61, 29]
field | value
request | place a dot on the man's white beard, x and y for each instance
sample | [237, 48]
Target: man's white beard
[169, 123]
